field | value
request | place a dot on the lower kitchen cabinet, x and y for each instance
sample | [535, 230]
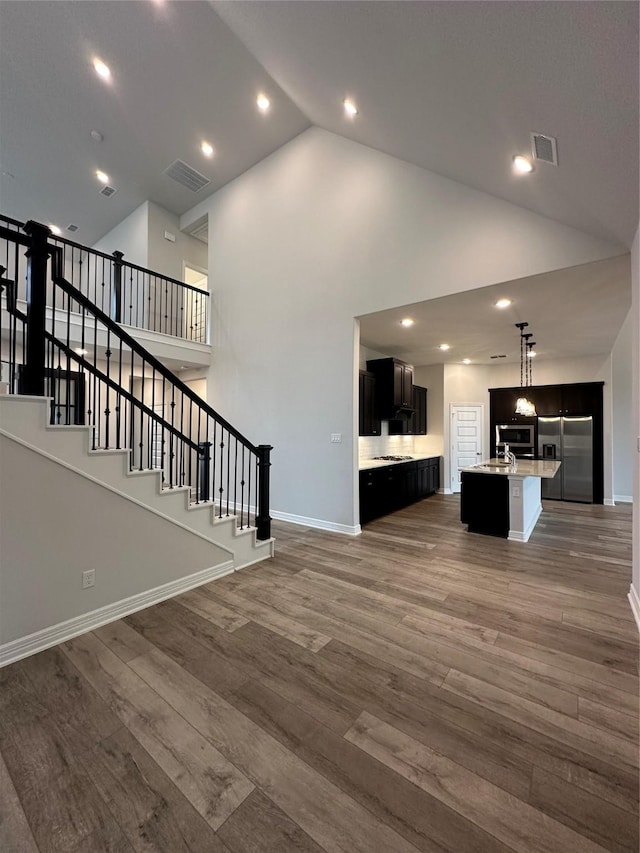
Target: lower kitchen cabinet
[391, 487]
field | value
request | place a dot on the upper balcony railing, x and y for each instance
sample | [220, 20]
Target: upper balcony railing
[129, 294]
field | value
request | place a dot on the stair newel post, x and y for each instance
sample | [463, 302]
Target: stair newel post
[116, 293]
[37, 257]
[263, 519]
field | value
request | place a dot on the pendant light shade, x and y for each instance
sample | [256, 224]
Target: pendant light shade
[524, 406]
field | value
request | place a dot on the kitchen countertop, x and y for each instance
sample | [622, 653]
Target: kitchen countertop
[545, 469]
[367, 464]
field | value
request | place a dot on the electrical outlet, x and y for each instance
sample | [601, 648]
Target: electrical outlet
[336, 437]
[88, 579]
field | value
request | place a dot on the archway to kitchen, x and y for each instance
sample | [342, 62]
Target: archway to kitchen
[462, 345]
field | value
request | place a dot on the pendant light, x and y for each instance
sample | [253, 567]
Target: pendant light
[524, 406]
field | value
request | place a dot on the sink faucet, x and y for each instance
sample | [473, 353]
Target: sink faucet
[508, 455]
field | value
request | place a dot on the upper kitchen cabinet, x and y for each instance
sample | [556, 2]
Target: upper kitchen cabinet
[503, 405]
[417, 423]
[582, 398]
[546, 398]
[394, 388]
[369, 422]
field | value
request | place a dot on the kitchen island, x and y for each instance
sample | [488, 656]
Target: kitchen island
[503, 499]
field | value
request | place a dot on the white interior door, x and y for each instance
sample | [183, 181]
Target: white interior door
[466, 439]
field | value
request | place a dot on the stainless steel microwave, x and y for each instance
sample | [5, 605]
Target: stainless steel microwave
[516, 435]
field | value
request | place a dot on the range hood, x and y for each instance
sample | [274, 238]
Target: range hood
[400, 413]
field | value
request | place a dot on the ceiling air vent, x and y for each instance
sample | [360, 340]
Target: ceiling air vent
[72, 227]
[544, 148]
[107, 191]
[498, 356]
[187, 176]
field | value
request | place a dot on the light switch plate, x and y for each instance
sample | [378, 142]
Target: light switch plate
[515, 491]
[336, 437]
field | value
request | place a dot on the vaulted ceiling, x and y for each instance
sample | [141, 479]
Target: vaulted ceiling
[454, 87]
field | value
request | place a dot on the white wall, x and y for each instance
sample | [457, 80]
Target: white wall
[322, 231]
[131, 236]
[432, 378]
[622, 412]
[167, 257]
[464, 383]
[40, 574]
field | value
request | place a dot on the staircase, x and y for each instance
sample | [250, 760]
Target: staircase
[87, 397]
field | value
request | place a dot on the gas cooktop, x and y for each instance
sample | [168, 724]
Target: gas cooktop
[394, 458]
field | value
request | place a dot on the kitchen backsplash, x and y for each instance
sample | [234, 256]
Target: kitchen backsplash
[385, 444]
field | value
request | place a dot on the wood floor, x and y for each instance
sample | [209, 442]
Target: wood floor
[417, 688]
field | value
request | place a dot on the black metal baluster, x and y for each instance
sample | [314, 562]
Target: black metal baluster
[108, 392]
[221, 488]
[235, 478]
[119, 397]
[182, 432]
[141, 442]
[171, 453]
[228, 467]
[242, 491]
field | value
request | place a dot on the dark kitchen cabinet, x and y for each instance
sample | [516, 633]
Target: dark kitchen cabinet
[546, 398]
[503, 405]
[417, 423]
[484, 503]
[368, 420]
[419, 418]
[427, 477]
[584, 398]
[394, 385]
[391, 487]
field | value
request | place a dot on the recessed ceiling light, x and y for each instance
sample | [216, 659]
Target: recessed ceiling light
[102, 70]
[207, 149]
[503, 303]
[263, 102]
[407, 321]
[531, 353]
[466, 361]
[96, 136]
[55, 230]
[102, 177]
[444, 347]
[80, 351]
[350, 108]
[522, 165]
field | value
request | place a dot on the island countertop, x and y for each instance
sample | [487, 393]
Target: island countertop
[542, 468]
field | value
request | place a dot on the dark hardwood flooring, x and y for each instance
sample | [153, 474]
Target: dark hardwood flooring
[417, 688]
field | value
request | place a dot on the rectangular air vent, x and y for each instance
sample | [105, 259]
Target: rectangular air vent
[187, 176]
[544, 148]
[107, 191]
[72, 227]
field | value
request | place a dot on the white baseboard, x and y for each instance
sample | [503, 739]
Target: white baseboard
[622, 499]
[63, 631]
[634, 601]
[318, 523]
[445, 491]
[609, 502]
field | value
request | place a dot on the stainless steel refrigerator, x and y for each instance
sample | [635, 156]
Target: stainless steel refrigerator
[570, 441]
